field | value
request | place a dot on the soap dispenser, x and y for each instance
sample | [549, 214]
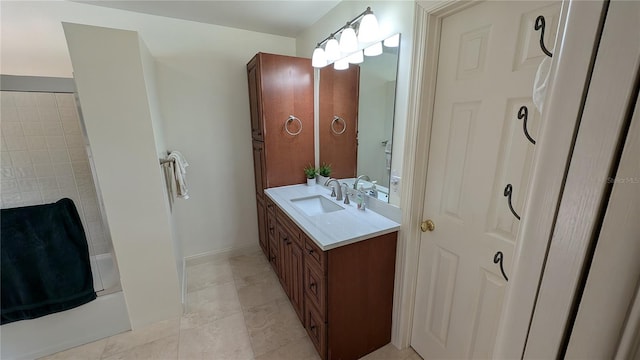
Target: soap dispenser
[360, 198]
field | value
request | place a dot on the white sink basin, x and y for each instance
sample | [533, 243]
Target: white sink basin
[316, 205]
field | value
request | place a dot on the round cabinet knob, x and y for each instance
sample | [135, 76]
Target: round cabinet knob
[427, 225]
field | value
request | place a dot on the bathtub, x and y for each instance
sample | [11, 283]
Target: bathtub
[105, 316]
[105, 273]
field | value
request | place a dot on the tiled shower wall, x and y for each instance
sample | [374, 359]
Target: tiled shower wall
[44, 158]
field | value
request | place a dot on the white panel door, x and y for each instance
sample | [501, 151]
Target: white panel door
[488, 57]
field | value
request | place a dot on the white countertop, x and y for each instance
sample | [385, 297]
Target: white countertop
[334, 229]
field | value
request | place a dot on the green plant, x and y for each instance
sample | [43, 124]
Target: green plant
[324, 170]
[310, 172]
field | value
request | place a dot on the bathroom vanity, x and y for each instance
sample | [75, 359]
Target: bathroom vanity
[337, 266]
[335, 263]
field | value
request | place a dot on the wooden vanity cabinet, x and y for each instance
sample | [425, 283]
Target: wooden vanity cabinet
[343, 296]
[279, 87]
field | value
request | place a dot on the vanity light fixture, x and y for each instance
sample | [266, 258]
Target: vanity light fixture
[392, 41]
[319, 58]
[374, 50]
[348, 40]
[346, 50]
[356, 57]
[368, 27]
[332, 50]
[342, 64]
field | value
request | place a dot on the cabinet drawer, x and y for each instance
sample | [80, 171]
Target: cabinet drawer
[274, 255]
[290, 226]
[314, 255]
[271, 227]
[316, 328]
[315, 289]
[271, 206]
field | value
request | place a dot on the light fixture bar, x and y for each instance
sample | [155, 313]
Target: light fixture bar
[355, 19]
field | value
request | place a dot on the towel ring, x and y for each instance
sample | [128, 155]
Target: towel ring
[333, 129]
[286, 125]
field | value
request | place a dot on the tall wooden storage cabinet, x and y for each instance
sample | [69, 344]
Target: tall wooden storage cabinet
[281, 104]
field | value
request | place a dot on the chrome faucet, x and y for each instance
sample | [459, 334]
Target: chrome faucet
[337, 190]
[355, 183]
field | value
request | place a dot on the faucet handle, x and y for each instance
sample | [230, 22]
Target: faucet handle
[346, 193]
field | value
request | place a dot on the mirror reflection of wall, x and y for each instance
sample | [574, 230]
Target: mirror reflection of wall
[363, 97]
[376, 109]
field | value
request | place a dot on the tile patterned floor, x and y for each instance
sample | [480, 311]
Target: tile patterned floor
[235, 310]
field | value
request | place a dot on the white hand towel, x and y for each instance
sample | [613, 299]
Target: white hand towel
[179, 172]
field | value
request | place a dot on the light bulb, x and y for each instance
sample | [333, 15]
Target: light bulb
[356, 58]
[374, 50]
[368, 29]
[392, 41]
[348, 41]
[332, 50]
[342, 64]
[319, 58]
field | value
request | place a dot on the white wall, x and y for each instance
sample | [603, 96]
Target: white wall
[203, 97]
[393, 17]
[105, 59]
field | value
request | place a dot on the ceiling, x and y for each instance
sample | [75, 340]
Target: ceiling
[284, 18]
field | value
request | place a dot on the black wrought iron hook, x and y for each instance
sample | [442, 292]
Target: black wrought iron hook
[497, 258]
[540, 25]
[507, 193]
[523, 114]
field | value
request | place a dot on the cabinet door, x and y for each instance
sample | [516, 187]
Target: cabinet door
[262, 226]
[259, 168]
[274, 255]
[283, 241]
[255, 100]
[296, 293]
[287, 90]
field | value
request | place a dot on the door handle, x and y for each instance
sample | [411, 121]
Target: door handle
[427, 225]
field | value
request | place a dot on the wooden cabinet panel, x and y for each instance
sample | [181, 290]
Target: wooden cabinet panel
[315, 288]
[296, 293]
[271, 207]
[360, 280]
[314, 255]
[316, 328]
[274, 255]
[339, 95]
[262, 226]
[283, 240]
[294, 231]
[259, 170]
[255, 102]
[286, 89]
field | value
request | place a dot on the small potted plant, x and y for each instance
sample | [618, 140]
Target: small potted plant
[310, 173]
[324, 172]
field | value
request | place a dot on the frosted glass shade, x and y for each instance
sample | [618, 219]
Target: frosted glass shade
[332, 50]
[368, 29]
[348, 41]
[319, 59]
[374, 50]
[342, 64]
[356, 58]
[392, 41]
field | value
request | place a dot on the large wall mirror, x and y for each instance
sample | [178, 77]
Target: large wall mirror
[355, 120]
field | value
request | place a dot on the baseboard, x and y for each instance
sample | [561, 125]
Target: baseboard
[222, 254]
